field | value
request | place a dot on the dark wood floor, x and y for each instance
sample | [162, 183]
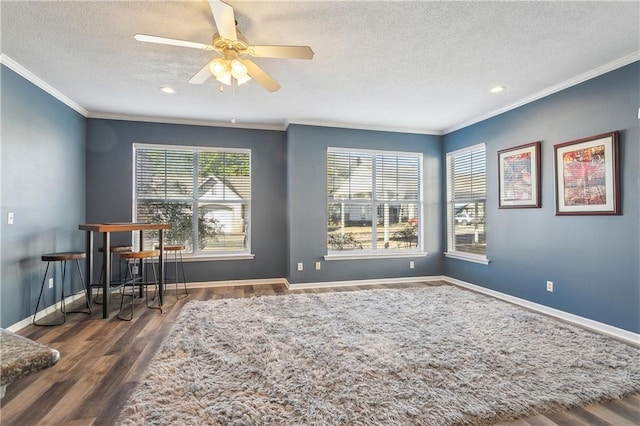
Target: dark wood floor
[103, 360]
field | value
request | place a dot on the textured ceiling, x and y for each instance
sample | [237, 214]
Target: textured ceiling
[410, 66]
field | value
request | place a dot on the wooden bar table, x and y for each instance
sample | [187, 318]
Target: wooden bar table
[106, 229]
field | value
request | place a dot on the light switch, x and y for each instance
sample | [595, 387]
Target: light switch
[10, 218]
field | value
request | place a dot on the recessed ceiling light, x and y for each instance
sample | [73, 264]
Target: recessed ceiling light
[498, 89]
[168, 90]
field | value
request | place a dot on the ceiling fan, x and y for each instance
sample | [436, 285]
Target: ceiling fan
[233, 47]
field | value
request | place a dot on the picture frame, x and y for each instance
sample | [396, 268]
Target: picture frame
[587, 176]
[519, 177]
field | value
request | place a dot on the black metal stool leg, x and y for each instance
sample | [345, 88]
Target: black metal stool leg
[175, 264]
[129, 273]
[85, 290]
[184, 278]
[138, 280]
[97, 300]
[40, 297]
[63, 307]
[117, 250]
[85, 287]
[176, 275]
[156, 289]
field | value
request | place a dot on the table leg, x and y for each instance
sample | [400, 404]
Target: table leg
[143, 270]
[89, 262]
[161, 266]
[106, 264]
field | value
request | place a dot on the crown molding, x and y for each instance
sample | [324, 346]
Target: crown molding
[339, 125]
[185, 121]
[596, 72]
[38, 82]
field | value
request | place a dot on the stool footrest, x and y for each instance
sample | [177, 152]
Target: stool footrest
[113, 284]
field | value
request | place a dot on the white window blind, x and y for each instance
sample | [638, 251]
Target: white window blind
[374, 201]
[204, 193]
[466, 201]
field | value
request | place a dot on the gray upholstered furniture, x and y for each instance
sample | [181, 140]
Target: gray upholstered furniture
[21, 357]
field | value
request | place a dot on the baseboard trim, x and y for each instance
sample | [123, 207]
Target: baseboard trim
[626, 336]
[237, 283]
[377, 281]
[43, 313]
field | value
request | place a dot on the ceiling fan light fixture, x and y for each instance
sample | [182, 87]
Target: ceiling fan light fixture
[219, 68]
[243, 79]
[238, 69]
[227, 68]
[225, 79]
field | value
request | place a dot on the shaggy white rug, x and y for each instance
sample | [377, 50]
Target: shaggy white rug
[436, 355]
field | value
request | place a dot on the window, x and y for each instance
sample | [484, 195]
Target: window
[374, 202]
[466, 202]
[204, 193]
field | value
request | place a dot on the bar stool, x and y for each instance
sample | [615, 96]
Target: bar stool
[113, 249]
[176, 249]
[134, 277]
[63, 257]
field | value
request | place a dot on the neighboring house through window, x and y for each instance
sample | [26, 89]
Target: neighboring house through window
[204, 193]
[466, 204]
[374, 202]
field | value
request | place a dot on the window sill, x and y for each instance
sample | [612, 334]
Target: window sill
[467, 257]
[216, 257]
[361, 256]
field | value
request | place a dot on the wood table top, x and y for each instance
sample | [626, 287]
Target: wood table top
[122, 226]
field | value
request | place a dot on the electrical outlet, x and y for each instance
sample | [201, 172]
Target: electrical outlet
[300, 266]
[550, 286]
[135, 270]
[9, 218]
[411, 264]
[50, 282]
[317, 266]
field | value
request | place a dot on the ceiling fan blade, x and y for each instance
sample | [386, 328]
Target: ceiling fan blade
[172, 42]
[290, 52]
[225, 19]
[260, 76]
[201, 76]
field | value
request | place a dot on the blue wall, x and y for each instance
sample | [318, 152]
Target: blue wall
[307, 203]
[592, 260]
[43, 184]
[110, 186]
[49, 153]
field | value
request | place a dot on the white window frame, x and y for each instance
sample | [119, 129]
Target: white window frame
[198, 255]
[451, 202]
[374, 253]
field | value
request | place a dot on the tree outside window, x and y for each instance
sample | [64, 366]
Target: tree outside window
[203, 193]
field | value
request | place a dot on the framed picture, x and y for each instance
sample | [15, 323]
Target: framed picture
[587, 177]
[519, 177]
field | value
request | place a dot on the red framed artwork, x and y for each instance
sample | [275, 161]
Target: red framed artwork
[519, 176]
[587, 176]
